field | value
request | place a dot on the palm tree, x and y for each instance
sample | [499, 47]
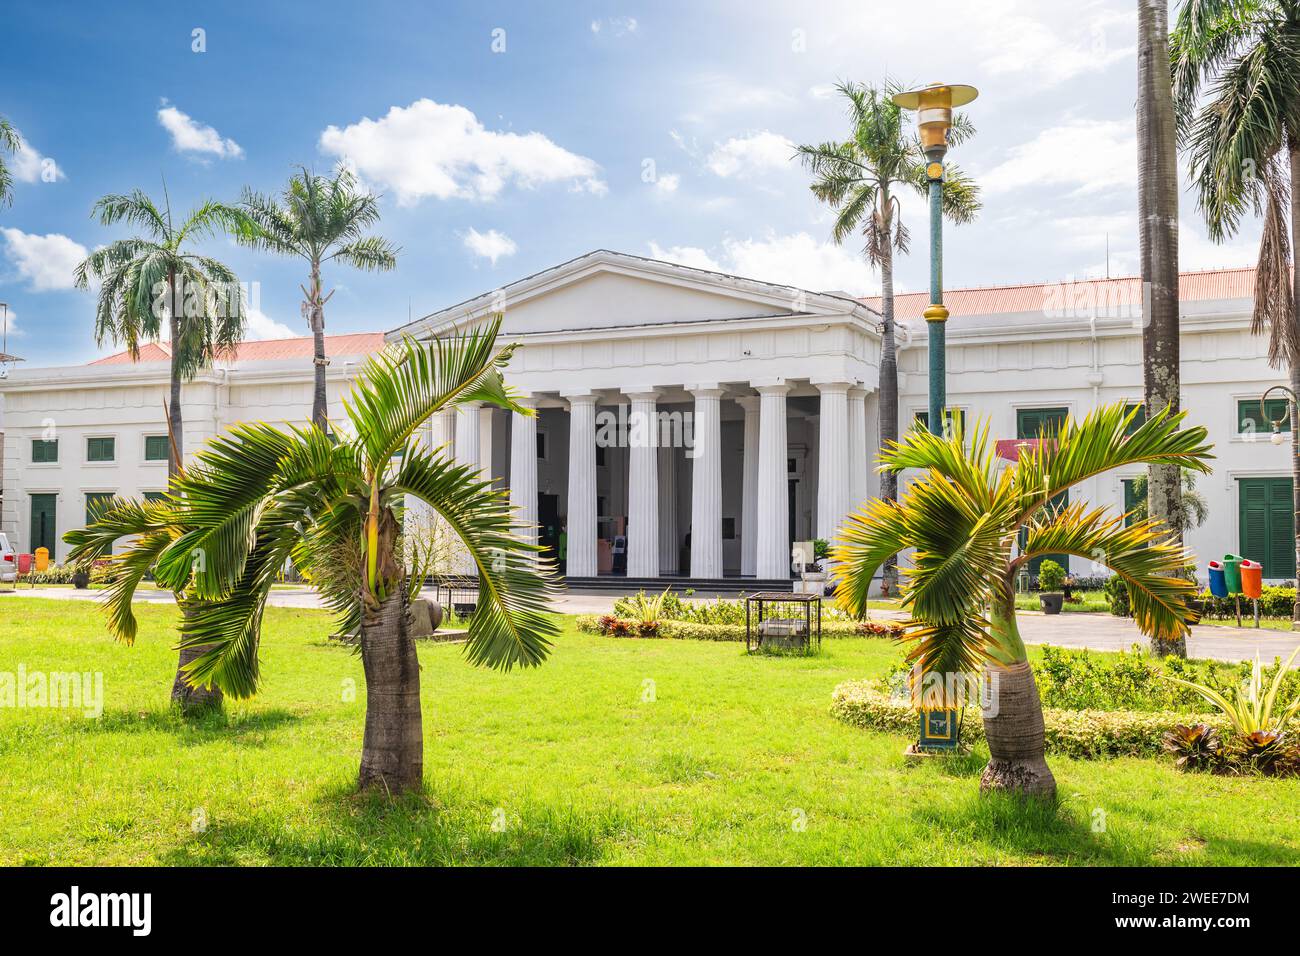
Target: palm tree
[320, 219]
[1242, 144]
[860, 179]
[10, 142]
[963, 517]
[154, 282]
[260, 496]
[1158, 237]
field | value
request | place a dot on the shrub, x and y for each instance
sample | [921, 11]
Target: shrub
[1116, 591]
[1274, 601]
[1088, 734]
[1195, 747]
[1051, 576]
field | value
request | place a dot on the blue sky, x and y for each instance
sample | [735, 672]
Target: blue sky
[507, 137]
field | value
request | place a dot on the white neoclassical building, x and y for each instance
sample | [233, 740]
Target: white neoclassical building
[697, 424]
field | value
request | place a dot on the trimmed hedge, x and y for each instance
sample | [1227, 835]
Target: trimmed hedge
[1088, 734]
[695, 631]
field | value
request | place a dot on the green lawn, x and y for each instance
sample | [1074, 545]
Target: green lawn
[722, 766]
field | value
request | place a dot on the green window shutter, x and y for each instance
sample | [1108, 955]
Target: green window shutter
[1267, 524]
[1138, 421]
[1131, 500]
[155, 448]
[155, 496]
[100, 449]
[1275, 410]
[96, 502]
[45, 451]
[1039, 422]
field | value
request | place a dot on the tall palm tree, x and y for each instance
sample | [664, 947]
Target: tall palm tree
[320, 219]
[10, 142]
[262, 495]
[963, 517]
[1158, 246]
[155, 283]
[860, 178]
[1243, 144]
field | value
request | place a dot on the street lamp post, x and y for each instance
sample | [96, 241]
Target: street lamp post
[934, 104]
[1276, 439]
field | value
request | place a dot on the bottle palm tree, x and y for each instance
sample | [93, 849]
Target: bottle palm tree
[963, 517]
[154, 283]
[320, 219]
[10, 142]
[260, 496]
[860, 178]
[1158, 242]
[1243, 144]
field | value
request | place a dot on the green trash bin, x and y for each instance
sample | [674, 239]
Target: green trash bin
[1232, 572]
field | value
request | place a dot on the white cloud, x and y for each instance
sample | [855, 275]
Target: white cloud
[490, 245]
[742, 155]
[46, 262]
[9, 323]
[667, 184]
[1089, 155]
[189, 136]
[29, 166]
[822, 91]
[796, 259]
[434, 149]
[1022, 44]
[617, 26]
[262, 326]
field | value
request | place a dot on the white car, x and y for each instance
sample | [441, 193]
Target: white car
[8, 561]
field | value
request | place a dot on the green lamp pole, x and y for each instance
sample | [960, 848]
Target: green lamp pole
[940, 729]
[1276, 438]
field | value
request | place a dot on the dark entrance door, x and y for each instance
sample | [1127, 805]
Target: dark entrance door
[43, 523]
[792, 495]
[548, 520]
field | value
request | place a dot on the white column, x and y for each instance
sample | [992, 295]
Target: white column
[858, 464]
[832, 459]
[523, 470]
[442, 432]
[669, 538]
[749, 492]
[643, 486]
[485, 441]
[467, 434]
[706, 484]
[582, 487]
[773, 557]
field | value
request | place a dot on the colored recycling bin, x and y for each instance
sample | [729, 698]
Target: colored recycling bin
[1232, 572]
[1252, 578]
[1218, 584]
[42, 559]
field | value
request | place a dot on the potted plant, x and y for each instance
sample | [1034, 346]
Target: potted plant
[81, 577]
[1051, 580]
[813, 574]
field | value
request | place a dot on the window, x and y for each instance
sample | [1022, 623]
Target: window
[155, 448]
[96, 502]
[155, 496]
[1267, 524]
[541, 445]
[1131, 499]
[45, 451]
[1039, 422]
[1275, 410]
[1139, 419]
[101, 449]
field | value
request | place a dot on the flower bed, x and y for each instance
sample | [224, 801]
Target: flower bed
[614, 626]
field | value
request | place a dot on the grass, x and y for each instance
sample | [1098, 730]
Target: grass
[615, 751]
[1092, 602]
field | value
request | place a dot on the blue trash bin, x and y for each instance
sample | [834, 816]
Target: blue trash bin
[1218, 583]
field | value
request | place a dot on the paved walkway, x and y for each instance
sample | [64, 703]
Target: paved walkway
[1101, 632]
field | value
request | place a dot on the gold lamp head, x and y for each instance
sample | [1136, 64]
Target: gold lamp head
[934, 105]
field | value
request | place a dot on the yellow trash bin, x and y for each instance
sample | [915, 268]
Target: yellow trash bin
[42, 558]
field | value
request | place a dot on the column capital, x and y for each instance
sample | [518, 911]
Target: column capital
[642, 394]
[712, 390]
[749, 403]
[858, 390]
[772, 387]
[580, 398]
[831, 387]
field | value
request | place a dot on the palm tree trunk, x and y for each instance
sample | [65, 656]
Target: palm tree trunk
[888, 395]
[320, 401]
[1014, 724]
[1158, 235]
[1294, 148]
[392, 753]
[175, 423]
[193, 699]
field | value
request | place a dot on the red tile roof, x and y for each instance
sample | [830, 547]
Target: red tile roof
[266, 350]
[1036, 297]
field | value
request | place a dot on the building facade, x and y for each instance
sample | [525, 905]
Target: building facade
[697, 424]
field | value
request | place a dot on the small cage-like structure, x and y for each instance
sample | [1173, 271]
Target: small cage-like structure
[783, 621]
[458, 593]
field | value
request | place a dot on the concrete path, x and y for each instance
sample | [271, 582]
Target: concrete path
[1101, 632]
